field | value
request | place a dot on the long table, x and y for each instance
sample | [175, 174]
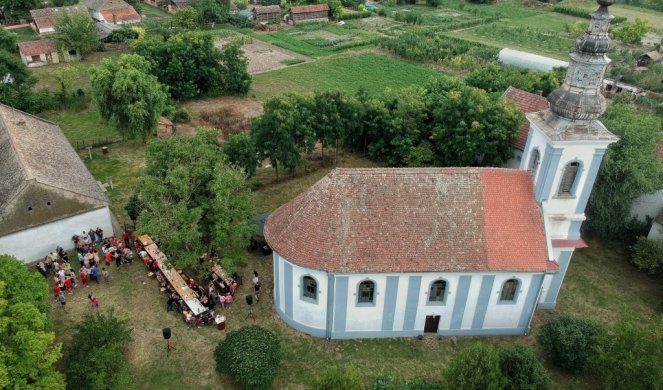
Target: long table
[172, 276]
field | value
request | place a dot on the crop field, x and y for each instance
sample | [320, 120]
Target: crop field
[372, 72]
[630, 12]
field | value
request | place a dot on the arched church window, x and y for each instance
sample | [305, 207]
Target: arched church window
[366, 292]
[568, 178]
[509, 290]
[437, 290]
[534, 160]
[309, 288]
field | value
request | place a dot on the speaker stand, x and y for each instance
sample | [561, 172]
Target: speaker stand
[169, 347]
[251, 315]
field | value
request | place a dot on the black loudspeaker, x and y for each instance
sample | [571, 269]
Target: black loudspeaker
[266, 250]
[249, 300]
[166, 333]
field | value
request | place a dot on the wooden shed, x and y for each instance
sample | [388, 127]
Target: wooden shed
[315, 12]
[266, 13]
[647, 58]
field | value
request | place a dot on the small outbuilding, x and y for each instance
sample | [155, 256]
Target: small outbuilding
[266, 13]
[42, 52]
[648, 58]
[523, 59]
[45, 19]
[113, 11]
[656, 231]
[309, 13]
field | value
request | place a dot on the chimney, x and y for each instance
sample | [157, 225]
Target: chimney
[539, 92]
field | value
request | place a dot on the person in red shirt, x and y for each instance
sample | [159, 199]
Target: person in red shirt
[108, 258]
[125, 238]
[93, 300]
[56, 291]
[67, 284]
[84, 279]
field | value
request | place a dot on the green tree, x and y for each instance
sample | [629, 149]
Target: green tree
[28, 350]
[336, 115]
[630, 356]
[186, 18]
[8, 40]
[497, 78]
[212, 11]
[236, 78]
[335, 8]
[188, 63]
[476, 367]
[77, 32]
[16, 93]
[127, 95]
[252, 355]
[12, 10]
[241, 153]
[568, 341]
[194, 202]
[523, 372]
[338, 378]
[284, 131]
[96, 359]
[469, 127]
[630, 167]
[65, 76]
[632, 32]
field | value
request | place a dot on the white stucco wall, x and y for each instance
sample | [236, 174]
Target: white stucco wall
[306, 312]
[647, 205]
[501, 315]
[35, 243]
[656, 231]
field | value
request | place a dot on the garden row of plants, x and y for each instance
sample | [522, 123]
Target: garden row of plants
[583, 13]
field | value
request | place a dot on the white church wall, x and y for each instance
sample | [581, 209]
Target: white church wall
[365, 317]
[401, 301]
[507, 315]
[306, 311]
[33, 244]
[656, 231]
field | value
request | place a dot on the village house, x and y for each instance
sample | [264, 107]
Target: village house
[46, 192]
[113, 11]
[309, 13]
[266, 13]
[385, 252]
[45, 19]
[648, 58]
[43, 52]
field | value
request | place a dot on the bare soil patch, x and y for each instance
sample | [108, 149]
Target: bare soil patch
[231, 115]
[263, 56]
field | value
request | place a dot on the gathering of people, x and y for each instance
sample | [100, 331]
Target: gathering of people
[90, 248]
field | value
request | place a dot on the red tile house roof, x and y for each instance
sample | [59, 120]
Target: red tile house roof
[121, 15]
[304, 9]
[526, 102]
[413, 220]
[35, 48]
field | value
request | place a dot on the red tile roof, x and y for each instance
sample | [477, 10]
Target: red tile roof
[35, 48]
[526, 102]
[48, 17]
[127, 14]
[579, 243]
[413, 220]
[304, 9]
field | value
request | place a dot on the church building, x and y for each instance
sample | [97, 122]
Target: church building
[391, 252]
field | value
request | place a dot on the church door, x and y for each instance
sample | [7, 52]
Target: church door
[432, 323]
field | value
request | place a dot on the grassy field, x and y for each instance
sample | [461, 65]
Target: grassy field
[589, 291]
[25, 34]
[655, 18]
[151, 11]
[82, 127]
[372, 72]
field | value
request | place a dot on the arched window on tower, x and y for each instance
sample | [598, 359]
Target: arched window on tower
[534, 161]
[437, 291]
[569, 177]
[309, 288]
[509, 289]
[366, 292]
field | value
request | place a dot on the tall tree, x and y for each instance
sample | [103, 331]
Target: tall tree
[188, 63]
[284, 131]
[186, 18]
[77, 32]
[194, 202]
[127, 95]
[8, 40]
[13, 10]
[336, 115]
[236, 78]
[212, 11]
[630, 167]
[19, 93]
[241, 153]
[28, 350]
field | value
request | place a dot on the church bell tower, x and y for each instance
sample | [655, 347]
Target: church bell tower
[566, 145]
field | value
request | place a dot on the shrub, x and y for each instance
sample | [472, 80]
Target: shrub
[482, 1]
[181, 115]
[522, 370]
[475, 367]
[648, 255]
[241, 4]
[338, 378]
[583, 13]
[355, 15]
[568, 341]
[421, 384]
[384, 380]
[252, 355]
[630, 357]
[122, 35]
[241, 153]
[633, 32]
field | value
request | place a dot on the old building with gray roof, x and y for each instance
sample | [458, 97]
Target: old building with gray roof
[46, 192]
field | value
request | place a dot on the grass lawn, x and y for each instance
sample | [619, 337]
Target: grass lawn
[373, 72]
[655, 18]
[25, 34]
[589, 291]
[82, 127]
[151, 11]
